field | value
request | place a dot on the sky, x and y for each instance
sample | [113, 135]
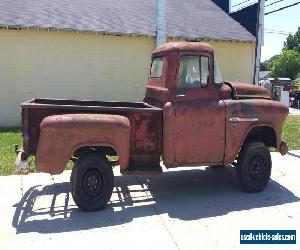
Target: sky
[277, 25]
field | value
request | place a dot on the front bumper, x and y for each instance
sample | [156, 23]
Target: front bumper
[21, 163]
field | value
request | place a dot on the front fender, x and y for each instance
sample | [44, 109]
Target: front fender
[249, 114]
[62, 135]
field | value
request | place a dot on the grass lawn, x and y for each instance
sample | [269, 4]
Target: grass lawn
[10, 137]
[291, 132]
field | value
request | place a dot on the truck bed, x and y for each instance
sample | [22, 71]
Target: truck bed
[145, 120]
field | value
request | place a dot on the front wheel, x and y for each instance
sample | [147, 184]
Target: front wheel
[92, 182]
[254, 167]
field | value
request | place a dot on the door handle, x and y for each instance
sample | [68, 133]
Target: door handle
[180, 96]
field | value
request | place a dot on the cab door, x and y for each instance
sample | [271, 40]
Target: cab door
[199, 136]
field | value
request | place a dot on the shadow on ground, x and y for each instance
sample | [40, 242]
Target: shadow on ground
[294, 154]
[186, 195]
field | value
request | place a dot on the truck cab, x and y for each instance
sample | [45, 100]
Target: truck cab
[185, 80]
[189, 116]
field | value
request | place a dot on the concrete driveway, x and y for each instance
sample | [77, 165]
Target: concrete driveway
[293, 111]
[188, 208]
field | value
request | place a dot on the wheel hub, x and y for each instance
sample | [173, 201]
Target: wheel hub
[92, 183]
[257, 167]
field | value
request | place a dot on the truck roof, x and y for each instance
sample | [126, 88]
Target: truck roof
[184, 45]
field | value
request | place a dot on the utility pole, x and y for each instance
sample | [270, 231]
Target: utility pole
[161, 22]
[259, 39]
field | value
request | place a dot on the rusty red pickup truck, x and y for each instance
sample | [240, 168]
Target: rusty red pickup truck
[189, 117]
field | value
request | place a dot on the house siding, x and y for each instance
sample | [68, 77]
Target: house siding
[69, 65]
[89, 66]
[236, 60]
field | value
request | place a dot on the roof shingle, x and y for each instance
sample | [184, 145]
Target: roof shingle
[189, 19]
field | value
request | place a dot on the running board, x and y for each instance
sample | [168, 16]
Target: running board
[143, 169]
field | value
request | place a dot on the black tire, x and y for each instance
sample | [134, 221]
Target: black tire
[92, 182]
[254, 166]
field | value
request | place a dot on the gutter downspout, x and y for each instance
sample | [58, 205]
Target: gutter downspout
[259, 39]
[161, 22]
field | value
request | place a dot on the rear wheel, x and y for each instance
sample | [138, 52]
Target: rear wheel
[254, 167]
[92, 182]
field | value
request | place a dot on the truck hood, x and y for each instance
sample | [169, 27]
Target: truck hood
[249, 91]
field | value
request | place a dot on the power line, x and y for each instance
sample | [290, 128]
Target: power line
[245, 6]
[274, 3]
[286, 16]
[285, 7]
[270, 4]
[249, 4]
[245, 2]
[278, 32]
[241, 3]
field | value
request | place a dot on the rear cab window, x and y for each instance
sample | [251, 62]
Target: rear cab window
[156, 67]
[157, 72]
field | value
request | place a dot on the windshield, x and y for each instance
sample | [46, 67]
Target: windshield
[217, 76]
[193, 72]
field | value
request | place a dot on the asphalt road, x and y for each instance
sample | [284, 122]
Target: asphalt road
[187, 208]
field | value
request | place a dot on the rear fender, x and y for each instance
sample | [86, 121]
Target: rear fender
[62, 135]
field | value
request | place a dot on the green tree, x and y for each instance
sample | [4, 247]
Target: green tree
[293, 41]
[267, 65]
[287, 64]
[263, 67]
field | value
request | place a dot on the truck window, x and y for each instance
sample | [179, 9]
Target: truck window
[193, 72]
[217, 76]
[156, 67]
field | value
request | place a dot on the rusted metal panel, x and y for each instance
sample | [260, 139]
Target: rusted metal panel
[144, 133]
[185, 46]
[200, 128]
[148, 131]
[168, 134]
[250, 91]
[159, 90]
[62, 135]
[193, 122]
[248, 114]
